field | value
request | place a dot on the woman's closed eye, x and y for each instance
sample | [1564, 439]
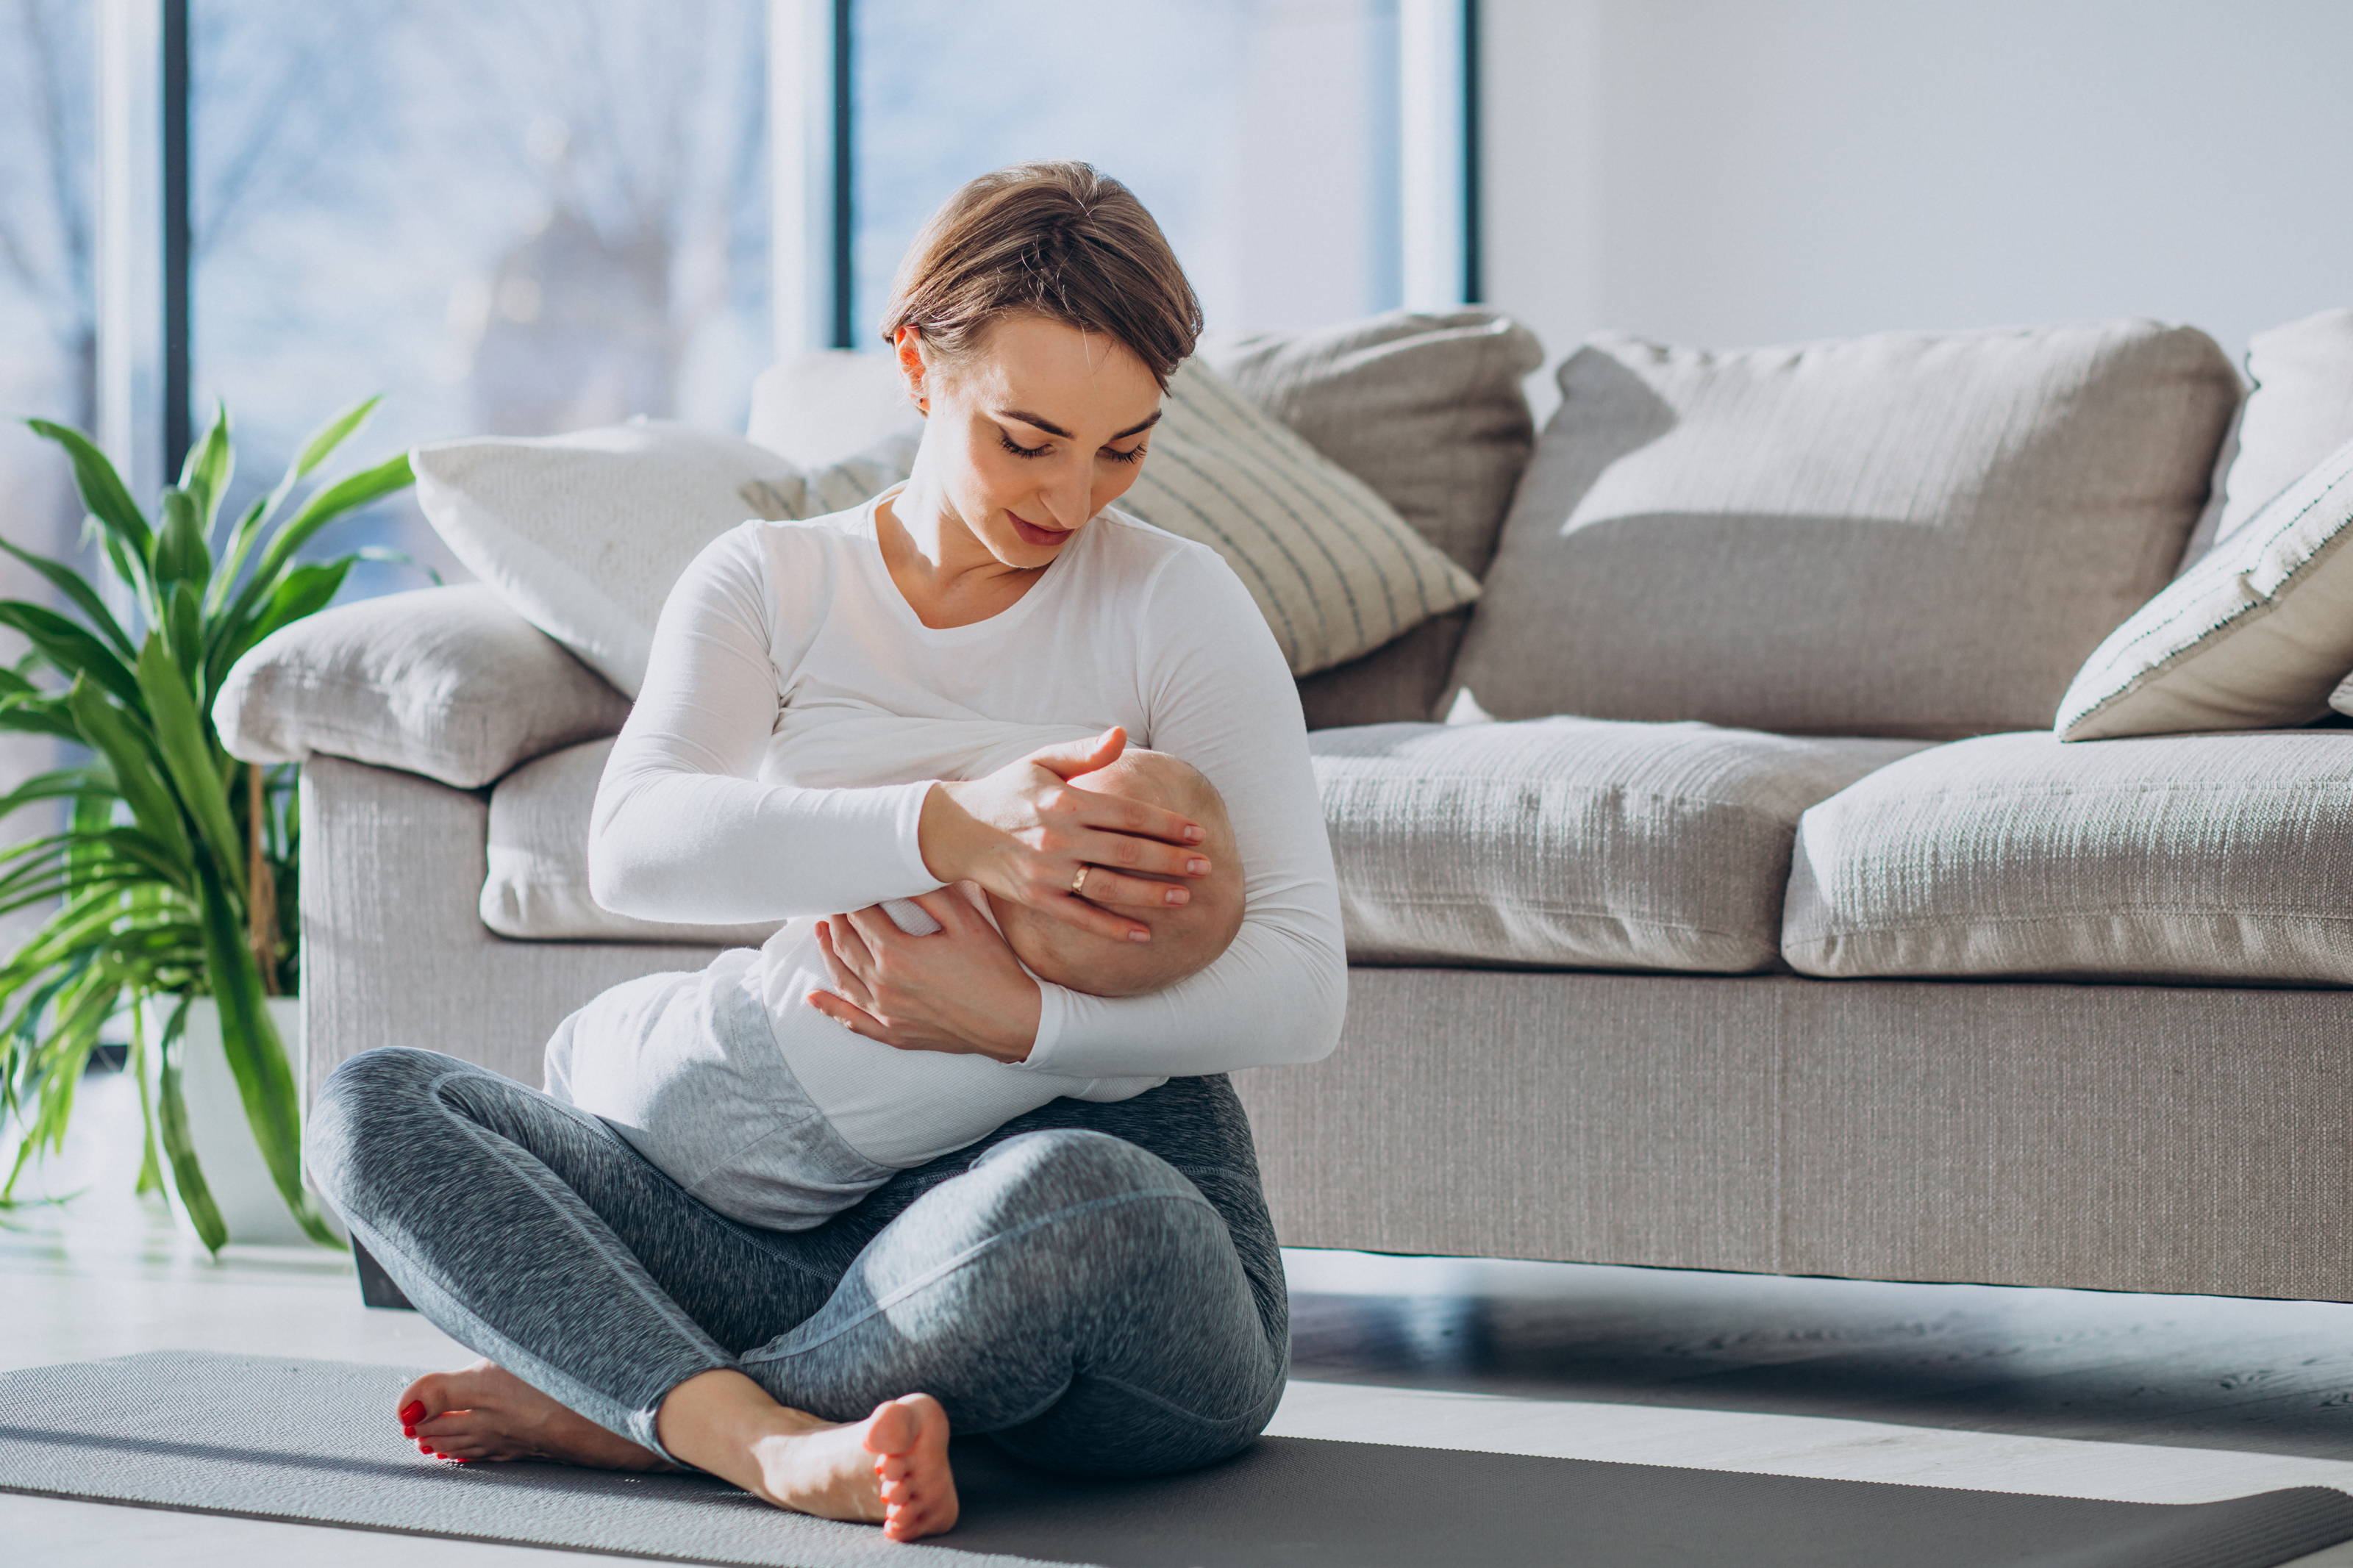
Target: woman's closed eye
[1006, 440]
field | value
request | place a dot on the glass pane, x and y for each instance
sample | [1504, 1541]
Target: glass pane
[519, 219]
[49, 189]
[1261, 133]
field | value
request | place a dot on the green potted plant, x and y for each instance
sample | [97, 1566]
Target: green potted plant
[174, 870]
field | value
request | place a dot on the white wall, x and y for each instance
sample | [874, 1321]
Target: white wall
[1732, 171]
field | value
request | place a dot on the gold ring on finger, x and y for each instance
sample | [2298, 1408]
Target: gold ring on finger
[1079, 882]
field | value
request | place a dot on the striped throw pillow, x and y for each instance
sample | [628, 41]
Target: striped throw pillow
[1333, 568]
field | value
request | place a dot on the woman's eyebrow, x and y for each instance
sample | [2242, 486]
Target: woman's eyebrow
[1026, 417]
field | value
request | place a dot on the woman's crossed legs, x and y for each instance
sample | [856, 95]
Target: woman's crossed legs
[1094, 1306]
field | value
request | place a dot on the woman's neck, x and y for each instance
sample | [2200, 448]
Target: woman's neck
[940, 568]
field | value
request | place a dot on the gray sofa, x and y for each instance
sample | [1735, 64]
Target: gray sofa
[1803, 946]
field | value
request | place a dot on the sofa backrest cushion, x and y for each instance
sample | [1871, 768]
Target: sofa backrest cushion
[1906, 534]
[2300, 411]
[1333, 567]
[1428, 410]
[825, 405]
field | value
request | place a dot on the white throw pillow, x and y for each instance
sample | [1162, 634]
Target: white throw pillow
[1333, 568]
[584, 534]
[2253, 637]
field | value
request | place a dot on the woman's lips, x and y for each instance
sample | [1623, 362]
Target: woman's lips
[1032, 534]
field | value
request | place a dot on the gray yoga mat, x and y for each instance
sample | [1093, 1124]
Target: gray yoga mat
[312, 1441]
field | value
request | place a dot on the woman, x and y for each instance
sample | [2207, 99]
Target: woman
[1096, 1285]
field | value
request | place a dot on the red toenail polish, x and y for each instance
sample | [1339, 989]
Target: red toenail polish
[412, 1412]
[409, 1431]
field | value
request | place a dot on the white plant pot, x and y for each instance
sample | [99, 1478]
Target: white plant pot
[248, 1199]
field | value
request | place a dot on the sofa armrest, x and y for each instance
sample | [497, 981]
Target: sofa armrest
[446, 682]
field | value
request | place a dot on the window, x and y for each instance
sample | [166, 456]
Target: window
[534, 215]
[517, 219]
[1261, 133]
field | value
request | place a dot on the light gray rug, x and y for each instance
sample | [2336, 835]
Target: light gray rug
[312, 1441]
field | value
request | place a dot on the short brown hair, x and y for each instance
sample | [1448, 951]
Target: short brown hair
[1062, 240]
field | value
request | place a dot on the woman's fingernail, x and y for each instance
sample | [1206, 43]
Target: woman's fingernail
[1175, 896]
[1197, 868]
[412, 1413]
[1139, 934]
[1192, 835]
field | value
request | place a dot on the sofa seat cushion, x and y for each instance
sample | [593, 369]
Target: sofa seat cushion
[1572, 843]
[537, 887]
[2216, 857]
[1908, 534]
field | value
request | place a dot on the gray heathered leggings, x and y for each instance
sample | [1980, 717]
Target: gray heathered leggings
[1096, 1286]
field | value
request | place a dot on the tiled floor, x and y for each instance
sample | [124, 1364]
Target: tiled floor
[2138, 1397]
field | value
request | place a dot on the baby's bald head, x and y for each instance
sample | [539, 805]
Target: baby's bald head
[1186, 939]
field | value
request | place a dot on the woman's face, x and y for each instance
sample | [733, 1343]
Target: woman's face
[1035, 434]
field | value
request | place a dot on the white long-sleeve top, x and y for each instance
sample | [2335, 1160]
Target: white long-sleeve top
[718, 806]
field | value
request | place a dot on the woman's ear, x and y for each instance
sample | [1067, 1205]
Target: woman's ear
[908, 342]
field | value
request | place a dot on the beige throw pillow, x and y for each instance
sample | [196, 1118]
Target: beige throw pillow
[2253, 637]
[584, 534]
[1333, 567]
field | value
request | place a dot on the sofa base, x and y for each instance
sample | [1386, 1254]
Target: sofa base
[2116, 1137]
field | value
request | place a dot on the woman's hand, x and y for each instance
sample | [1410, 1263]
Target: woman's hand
[1025, 834]
[958, 990]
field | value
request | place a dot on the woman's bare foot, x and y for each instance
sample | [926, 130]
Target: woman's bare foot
[485, 1412]
[891, 1468]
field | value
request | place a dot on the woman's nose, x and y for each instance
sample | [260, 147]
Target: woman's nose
[1066, 498]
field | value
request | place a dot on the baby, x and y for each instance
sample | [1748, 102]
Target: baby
[730, 1082]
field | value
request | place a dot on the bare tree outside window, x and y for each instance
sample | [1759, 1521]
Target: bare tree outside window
[518, 219]
[49, 323]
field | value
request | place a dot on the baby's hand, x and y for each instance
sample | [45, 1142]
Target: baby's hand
[958, 990]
